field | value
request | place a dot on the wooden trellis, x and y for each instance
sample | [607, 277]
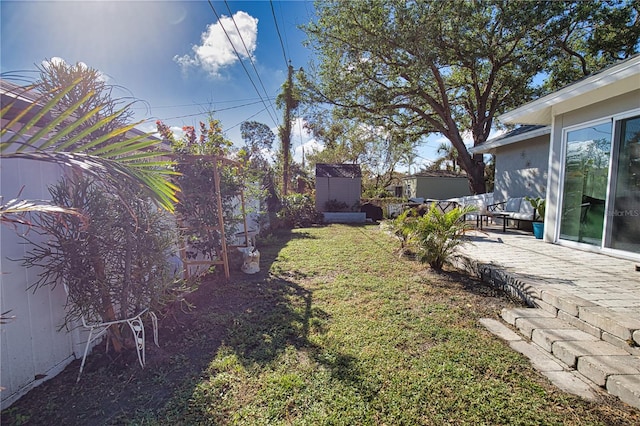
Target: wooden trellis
[223, 249]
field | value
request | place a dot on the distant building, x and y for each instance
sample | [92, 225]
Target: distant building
[435, 185]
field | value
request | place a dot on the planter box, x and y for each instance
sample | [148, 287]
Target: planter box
[345, 217]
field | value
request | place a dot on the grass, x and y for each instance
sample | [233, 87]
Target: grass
[337, 330]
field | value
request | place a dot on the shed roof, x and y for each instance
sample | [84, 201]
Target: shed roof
[338, 170]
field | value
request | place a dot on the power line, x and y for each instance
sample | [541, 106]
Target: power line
[248, 118]
[212, 111]
[204, 104]
[284, 32]
[284, 53]
[241, 63]
[249, 56]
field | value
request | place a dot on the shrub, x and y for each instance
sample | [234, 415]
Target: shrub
[435, 236]
[114, 260]
[299, 210]
[336, 206]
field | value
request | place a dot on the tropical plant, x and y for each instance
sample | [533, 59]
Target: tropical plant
[114, 265]
[435, 237]
[539, 206]
[447, 154]
[99, 228]
[403, 226]
[93, 92]
[298, 210]
[41, 130]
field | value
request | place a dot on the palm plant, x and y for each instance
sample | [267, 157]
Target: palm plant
[437, 235]
[447, 153]
[94, 143]
[43, 131]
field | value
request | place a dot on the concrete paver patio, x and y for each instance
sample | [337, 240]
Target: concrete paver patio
[584, 307]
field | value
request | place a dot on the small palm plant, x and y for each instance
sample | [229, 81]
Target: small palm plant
[402, 227]
[437, 235]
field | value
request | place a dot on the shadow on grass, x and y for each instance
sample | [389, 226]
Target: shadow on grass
[256, 316]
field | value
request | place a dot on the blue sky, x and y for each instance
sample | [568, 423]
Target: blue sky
[173, 55]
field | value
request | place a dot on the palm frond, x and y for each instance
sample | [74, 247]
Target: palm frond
[112, 157]
[15, 212]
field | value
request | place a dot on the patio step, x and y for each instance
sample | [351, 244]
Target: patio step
[579, 354]
[596, 341]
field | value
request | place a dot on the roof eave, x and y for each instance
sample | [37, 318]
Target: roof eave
[541, 111]
[492, 144]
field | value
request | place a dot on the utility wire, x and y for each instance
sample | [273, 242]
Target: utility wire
[212, 111]
[207, 104]
[241, 63]
[284, 53]
[249, 56]
[248, 118]
[284, 32]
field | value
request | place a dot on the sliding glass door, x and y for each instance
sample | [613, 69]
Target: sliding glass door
[588, 152]
[601, 187]
[624, 215]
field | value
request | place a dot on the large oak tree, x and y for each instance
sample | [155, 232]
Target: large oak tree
[447, 67]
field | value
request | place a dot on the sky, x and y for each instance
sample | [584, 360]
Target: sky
[175, 57]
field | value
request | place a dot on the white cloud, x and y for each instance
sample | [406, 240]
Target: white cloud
[216, 50]
[309, 147]
[53, 61]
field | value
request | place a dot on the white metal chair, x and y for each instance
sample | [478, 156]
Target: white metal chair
[98, 329]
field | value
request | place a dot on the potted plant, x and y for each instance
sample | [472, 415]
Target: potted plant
[538, 205]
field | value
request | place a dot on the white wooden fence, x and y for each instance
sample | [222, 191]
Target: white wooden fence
[32, 349]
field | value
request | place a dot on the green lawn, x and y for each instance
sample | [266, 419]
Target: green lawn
[340, 331]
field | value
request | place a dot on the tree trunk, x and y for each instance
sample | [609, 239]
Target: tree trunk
[473, 165]
[108, 311]
[477, 184]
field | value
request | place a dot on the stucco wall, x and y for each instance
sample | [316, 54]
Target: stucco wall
[522, 169]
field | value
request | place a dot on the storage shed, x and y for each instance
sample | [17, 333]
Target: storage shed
[339, 182]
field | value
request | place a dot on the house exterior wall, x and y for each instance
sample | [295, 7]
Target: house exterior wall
[620, 104]
[436, 187]
[30, 344]
[347, 190]
[522, 169]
